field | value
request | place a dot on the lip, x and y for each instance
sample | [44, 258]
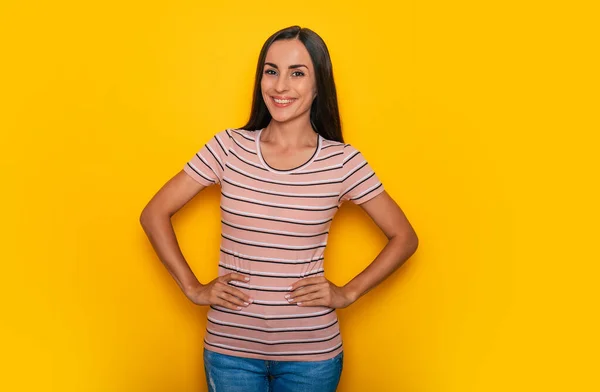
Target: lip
[282, 105]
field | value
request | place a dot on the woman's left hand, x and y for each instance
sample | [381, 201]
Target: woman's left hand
[318, 291]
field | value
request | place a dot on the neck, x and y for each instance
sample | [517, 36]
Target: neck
[295, 133]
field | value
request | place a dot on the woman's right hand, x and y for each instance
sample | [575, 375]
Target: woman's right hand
[218, 292]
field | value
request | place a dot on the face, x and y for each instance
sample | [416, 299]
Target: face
[288, 81]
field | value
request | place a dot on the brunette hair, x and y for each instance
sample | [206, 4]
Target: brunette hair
[324, 112]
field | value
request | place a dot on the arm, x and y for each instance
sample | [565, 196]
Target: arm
[156, 222]
[403, 242]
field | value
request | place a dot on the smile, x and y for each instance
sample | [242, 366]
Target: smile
[283, 102]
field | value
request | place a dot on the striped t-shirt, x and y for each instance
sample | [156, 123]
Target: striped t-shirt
[274, 228]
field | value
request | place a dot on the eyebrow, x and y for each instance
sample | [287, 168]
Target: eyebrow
[290, 67]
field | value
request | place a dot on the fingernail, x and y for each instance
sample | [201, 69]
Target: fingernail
[289, 288]
[247, 278]
[239, 308]
[299, 303]
[287, 296]
[250, 300]
[246, 303]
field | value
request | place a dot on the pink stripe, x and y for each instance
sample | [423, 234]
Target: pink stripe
[274, 229]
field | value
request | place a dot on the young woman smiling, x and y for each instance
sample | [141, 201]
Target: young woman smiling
[272, 324]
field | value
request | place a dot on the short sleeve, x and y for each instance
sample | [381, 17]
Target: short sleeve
[208, 165]
[360, 183]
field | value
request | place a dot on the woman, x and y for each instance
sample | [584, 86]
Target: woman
[272, 324]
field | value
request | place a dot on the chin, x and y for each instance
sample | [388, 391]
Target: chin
[280, 118]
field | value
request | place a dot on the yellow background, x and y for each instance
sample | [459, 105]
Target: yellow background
[480, 118]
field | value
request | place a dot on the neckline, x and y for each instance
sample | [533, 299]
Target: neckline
[287, 171]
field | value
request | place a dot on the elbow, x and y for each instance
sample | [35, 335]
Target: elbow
[414, 243]
[150, 214]
[409, 242]
[413, 240]
[145, 217]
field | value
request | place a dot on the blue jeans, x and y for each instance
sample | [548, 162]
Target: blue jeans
[226, 373]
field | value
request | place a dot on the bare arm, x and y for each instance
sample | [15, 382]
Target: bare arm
[403, 242]
[156, 222]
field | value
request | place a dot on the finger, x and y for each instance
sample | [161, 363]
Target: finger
[238, 293]
[307, 297]
[315, 302]
[233, 299]
[235, 276]
[304, 290]
[227, 304]
[307, 281]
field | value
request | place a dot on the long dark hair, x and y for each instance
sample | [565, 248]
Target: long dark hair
[324, 113]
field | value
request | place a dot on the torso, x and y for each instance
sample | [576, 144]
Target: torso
[274, 228]
[275, 225]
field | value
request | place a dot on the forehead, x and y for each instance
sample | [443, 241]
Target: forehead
[287, 52]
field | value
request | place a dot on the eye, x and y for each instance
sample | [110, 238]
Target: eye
[297, 73]
[270, 72]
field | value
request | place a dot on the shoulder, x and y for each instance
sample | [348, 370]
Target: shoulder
[230, 137]
[351, 154]
[331, 148]
[346, 152]
[241, 139]
[238, 133]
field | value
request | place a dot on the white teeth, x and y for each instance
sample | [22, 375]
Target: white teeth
[283, 100]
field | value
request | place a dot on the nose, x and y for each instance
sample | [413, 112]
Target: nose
[281, 84]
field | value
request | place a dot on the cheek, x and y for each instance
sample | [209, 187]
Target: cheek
[311, 92]
[264, 85]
